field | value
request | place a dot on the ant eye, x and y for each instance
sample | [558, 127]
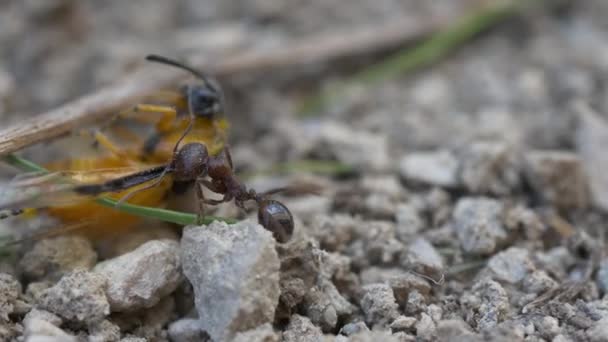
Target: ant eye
[275, 217]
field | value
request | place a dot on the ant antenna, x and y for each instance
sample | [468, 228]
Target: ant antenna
[167, 61]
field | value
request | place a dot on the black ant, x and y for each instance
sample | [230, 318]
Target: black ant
[192, 163]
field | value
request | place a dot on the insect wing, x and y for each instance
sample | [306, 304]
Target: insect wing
[54, 189]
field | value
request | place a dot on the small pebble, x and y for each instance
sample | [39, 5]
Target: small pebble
[235, 276]
[599, 331]
[415, 304]
[324, 305]
[378, 304]
[455, 329]
[494, 303]
[403, 323]
[489, 168]
[139, 279]
[360, 149]
[423, 258]
[186, 330]
[478, 224]
[558, 178]
[40, 330]
[538, 282]
[353, 328]
[55, 257]
[44, 316]
[10, 289]
[301, 329]
[409, 222]
[548, 327]
[104, 331]
[263, 333]
[425, 328]
[438, 168]
[511, 265]
[602, 276]
[78, 296]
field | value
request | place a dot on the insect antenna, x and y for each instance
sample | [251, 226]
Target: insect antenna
[168, 61]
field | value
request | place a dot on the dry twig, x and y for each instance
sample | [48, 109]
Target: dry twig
[317, 49]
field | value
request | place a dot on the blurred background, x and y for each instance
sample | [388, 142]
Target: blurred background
[475, 126]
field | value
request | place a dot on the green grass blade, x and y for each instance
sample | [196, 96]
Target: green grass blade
[149, 212]
[428, 52]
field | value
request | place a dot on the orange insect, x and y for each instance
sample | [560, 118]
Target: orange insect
[145, 171]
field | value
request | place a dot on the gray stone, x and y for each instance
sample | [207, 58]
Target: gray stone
[43, 315]
[324, 305]
[558, 178]
[599, 331]
[602, 276]
[378, 304]
[478, 224]
[415, 304]
[372, 336]
[38, 330]
[591, 141]
[438, 168]
[547, 327]
[235, 276]
[360, 149]
[402, 282]
[423, 258]
[425, 328]
[104, 331]
[409, 222]
[454, 330]
[334, 232]
[139, 279]
[263, 333]
[493, 303]
[353, 328]
[301, 329]
[403, 323]
[511, 266]
[79, 296]
[10, 289]
[186, 330]
[526, 221]
[538, 282]
[489, 168]
[55, 257]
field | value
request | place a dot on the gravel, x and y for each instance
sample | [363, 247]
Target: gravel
[474, 209]
[53, 258]
[478, 223]
[438, 168]
[142, 277]
[378, 304]
[79, 296]
[301, 329]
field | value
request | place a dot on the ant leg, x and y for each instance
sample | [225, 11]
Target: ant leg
[228, 156]
[200, 199]
[217, 188]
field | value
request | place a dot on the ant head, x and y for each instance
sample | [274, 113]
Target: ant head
[204, 100]
[275, 217]
[190, 162]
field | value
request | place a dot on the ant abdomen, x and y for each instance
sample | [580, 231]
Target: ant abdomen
[275, 217]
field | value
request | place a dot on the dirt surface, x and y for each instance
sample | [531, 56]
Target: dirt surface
[474, 208]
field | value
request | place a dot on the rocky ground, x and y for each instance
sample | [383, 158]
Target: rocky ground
[475, 210]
